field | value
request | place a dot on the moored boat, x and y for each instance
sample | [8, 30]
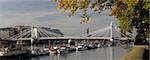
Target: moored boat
[54, 50]
[81, 47]
[72, 48]
[90, 47]
[63, 49]
[7, 52]
[39, 51]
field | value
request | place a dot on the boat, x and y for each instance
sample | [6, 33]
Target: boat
[39, 51]
[90, 46]
[54, 50]
[11, 48]
[63, 49]
[72, 48]
[7, 52]
[81, 48]
[98, 45]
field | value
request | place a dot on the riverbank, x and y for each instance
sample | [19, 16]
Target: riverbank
[137, 53]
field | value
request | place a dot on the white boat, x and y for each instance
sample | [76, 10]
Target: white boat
[81, 47]
[12, 52]
[96, 45]
[99, 45]
[54, 50]
[36, 51]
[63, 49]
[90, 46]
[39, 51]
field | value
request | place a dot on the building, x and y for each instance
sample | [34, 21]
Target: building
[20, 28]
[7, 32]
[10, 31]
[7, 43]
[3, 44]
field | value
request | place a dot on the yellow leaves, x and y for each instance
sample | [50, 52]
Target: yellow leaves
[113, 10]
[131, 3]
[72, 1]
[126, 11]
[63, 4]
[84, 18]
[147, 4]
[70, 6]
[73, 5]
[83, 4]
[125, 24]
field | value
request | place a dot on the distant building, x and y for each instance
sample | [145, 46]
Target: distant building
[3, 44]
[6, 43]
[10, 31]
[20, 28]
[7, 32]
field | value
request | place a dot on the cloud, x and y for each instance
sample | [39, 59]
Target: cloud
[56, 19]
[51, 17]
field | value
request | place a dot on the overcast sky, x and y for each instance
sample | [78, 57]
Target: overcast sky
[45, 13]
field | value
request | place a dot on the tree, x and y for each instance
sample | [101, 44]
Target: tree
[130, 13]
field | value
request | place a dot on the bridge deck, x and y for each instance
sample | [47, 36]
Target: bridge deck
[44, 38]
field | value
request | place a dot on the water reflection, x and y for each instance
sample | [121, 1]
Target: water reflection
[16, 58]
[108, 53]
[95, 54]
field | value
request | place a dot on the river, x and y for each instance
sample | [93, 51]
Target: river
[108, 53]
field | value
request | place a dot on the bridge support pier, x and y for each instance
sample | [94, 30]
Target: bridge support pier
[49, 41]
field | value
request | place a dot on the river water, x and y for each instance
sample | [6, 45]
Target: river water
[108, 53]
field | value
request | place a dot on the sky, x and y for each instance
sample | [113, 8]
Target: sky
[45, 13]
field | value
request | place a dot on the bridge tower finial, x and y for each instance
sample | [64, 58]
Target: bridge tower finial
[111, 31]
[32, 31]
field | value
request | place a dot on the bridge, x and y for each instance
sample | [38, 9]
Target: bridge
[110, 32]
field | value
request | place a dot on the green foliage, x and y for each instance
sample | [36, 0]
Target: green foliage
[128, 13]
